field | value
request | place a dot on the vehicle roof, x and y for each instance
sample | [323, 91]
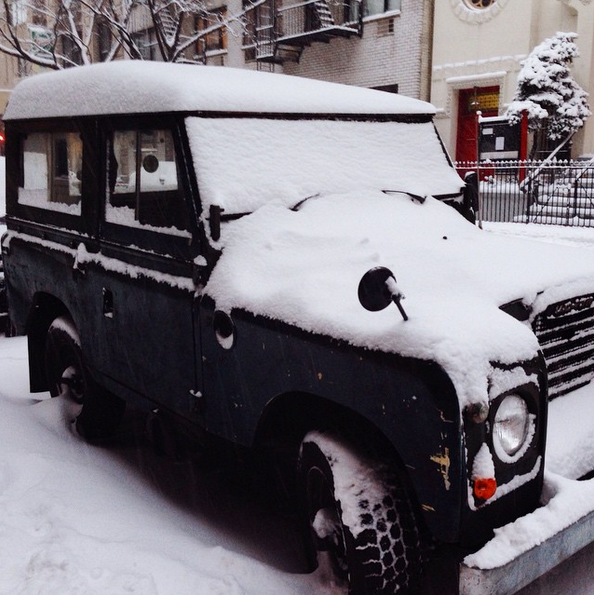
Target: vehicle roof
[128, 87]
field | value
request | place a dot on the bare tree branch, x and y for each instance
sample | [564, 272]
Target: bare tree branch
[61, 33]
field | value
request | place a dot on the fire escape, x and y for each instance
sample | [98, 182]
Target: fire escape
[277, 34]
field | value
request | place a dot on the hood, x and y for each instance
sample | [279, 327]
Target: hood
[304, 266]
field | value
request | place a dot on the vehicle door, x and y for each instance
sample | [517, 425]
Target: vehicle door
[143, 337]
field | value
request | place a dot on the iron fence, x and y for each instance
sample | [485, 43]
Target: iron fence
[548, 192]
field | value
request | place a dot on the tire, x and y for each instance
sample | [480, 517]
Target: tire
[96, 412]
[360, 519]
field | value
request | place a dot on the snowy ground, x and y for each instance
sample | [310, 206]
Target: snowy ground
[82, 520]
[76, 519]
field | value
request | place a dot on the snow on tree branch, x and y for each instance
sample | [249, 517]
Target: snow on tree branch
[547, 92]
[61, 33]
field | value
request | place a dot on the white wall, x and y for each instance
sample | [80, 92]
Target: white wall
[485, 48]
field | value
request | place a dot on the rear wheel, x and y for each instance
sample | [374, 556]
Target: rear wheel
[96, 412]
[360, 518]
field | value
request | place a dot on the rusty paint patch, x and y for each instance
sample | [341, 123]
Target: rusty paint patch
[443, 460]
[443, 418]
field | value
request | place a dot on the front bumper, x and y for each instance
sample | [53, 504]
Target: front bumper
[527, 566]
[535, 543]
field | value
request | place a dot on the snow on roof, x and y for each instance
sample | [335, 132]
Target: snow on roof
[125, 87]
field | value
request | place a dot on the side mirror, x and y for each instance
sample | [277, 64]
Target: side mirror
[214, 220]
[378, 289]
[471, 193]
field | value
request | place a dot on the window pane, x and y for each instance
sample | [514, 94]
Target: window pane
[122, 172]
[67, 170]
[217, 39]
[145, 160]
[158, 171]
[35, 162]
[373, 7]
[52, 168]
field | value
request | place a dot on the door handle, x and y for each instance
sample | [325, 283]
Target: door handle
[107, 303]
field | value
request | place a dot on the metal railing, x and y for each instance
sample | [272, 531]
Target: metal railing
[270, 28]
[548, 192]
[317, 16]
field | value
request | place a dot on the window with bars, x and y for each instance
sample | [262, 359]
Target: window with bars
[146, 43]
[215, 40]
[259, 27]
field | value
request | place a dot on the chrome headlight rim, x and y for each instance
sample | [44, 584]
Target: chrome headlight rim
[513, 427]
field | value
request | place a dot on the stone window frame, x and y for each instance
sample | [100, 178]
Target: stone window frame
[473, 15]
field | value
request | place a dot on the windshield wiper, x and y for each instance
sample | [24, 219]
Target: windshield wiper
[299, 204]
[416, 197]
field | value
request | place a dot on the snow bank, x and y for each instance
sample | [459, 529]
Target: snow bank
[560, 235]
[136, 86]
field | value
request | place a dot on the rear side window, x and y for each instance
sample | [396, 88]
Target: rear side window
[52, 171]
[143, 182]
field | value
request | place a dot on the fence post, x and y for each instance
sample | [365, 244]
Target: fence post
[575, 197]
[530, 198]
[523, 156]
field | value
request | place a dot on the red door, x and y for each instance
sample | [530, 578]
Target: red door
[485, 100]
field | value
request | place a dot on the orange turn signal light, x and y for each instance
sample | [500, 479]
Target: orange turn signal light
[485, 488]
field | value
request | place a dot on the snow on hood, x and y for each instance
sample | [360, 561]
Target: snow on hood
[303, 267]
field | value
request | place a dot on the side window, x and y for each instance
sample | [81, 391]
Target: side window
[52, 171]
[143, 182]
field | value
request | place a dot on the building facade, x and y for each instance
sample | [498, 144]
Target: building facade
[383, 44]
[478, 49]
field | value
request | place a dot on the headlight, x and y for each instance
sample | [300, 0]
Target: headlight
[511, 427]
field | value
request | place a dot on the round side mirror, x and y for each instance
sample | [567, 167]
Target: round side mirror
[378, 289]
[374, 293]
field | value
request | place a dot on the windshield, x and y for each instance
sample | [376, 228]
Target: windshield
[243, 163]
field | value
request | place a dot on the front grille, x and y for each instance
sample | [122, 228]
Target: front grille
[565, 331]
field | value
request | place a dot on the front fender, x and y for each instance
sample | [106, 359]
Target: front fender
[410, 402]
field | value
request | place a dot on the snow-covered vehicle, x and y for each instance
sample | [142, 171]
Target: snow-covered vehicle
[219, 245]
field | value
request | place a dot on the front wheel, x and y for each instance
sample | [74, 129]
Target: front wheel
[96, 412]
[360, 518]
